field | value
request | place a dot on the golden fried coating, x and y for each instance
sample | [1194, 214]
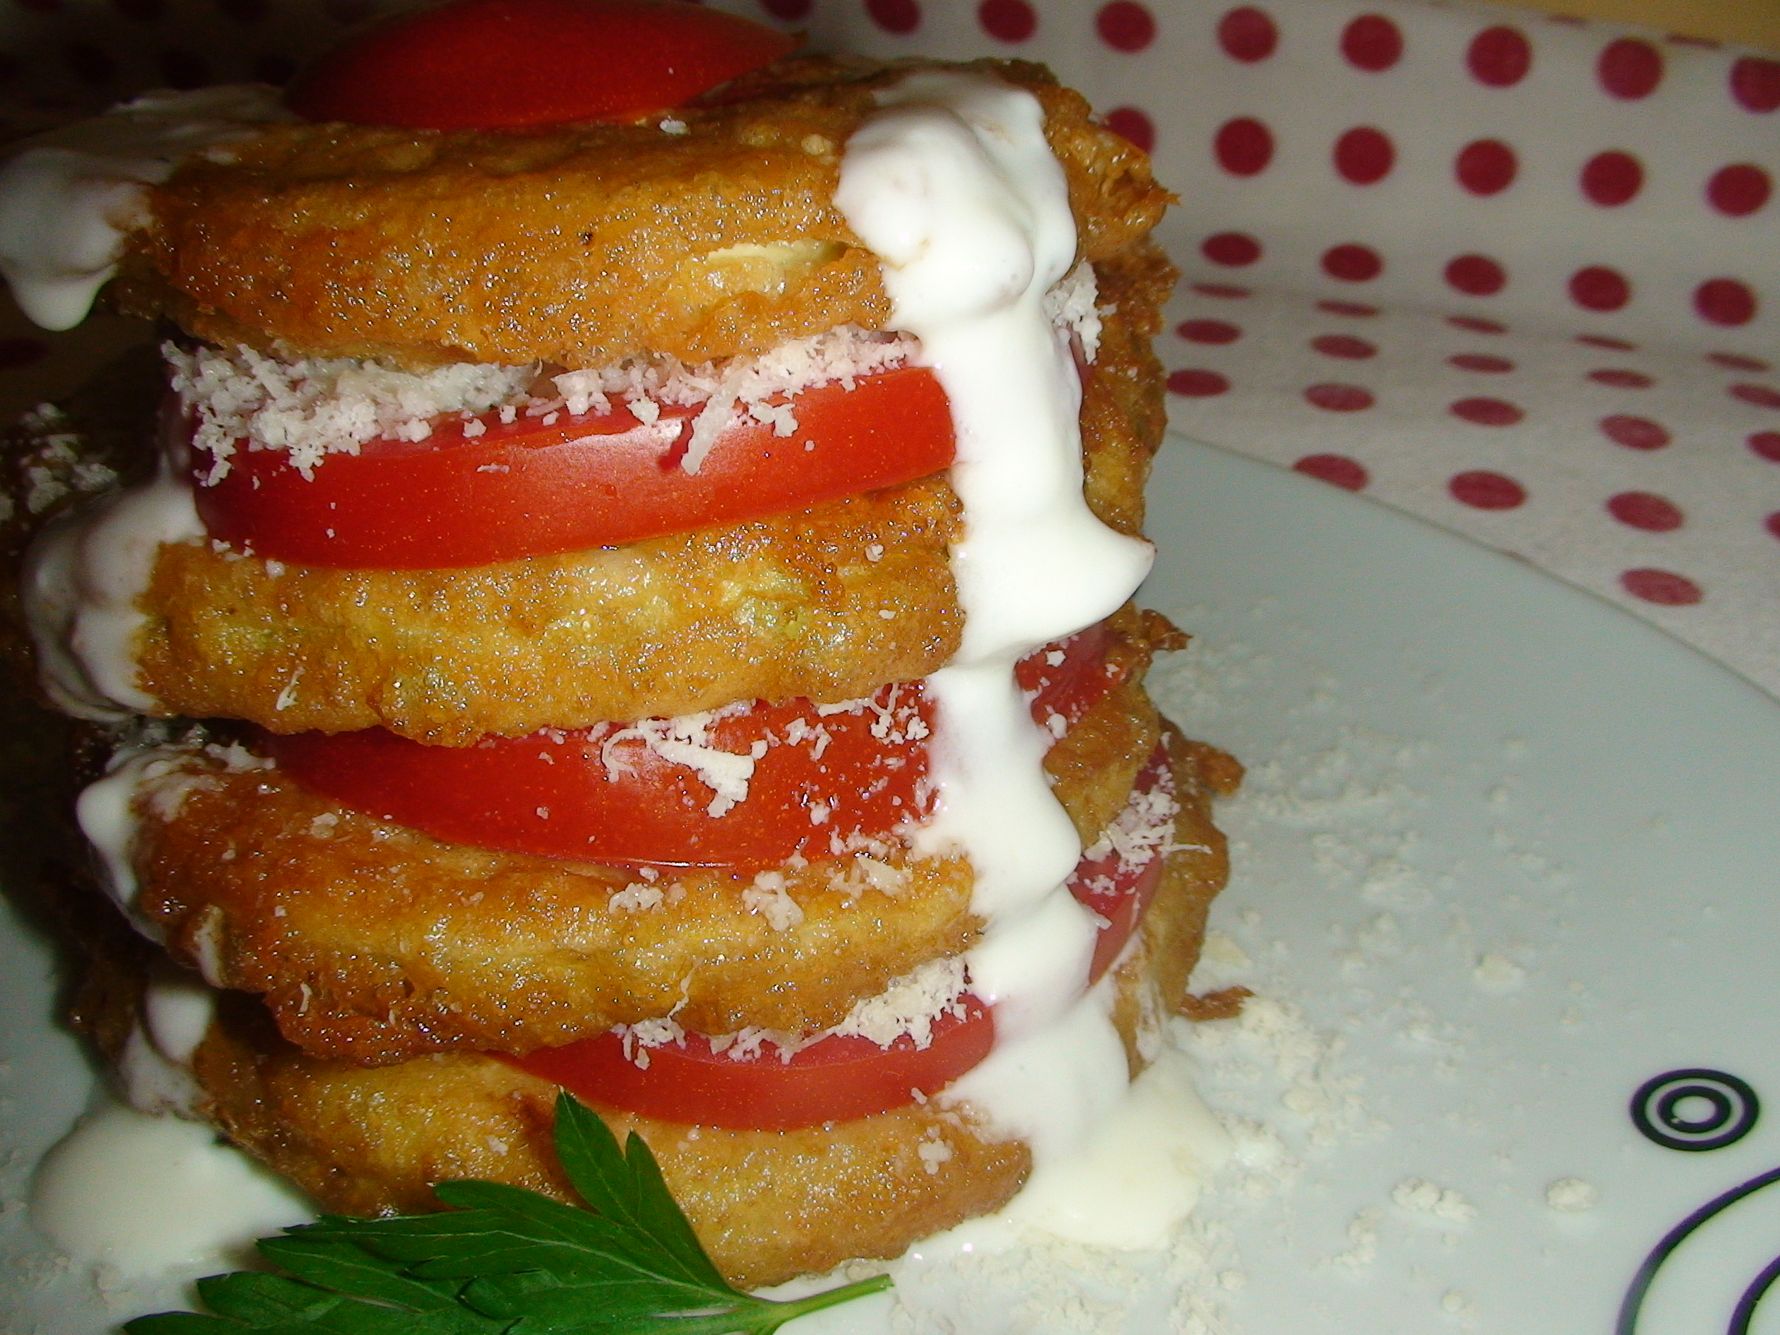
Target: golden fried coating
[374, 943]
[768, 1205]
[1124, 408]
[828, 603]
[705, 235]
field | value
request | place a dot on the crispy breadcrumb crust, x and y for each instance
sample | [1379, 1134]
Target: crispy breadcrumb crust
[768, 1205]
[704, 235]
[828, 603]
[374, 943]
[795, 605]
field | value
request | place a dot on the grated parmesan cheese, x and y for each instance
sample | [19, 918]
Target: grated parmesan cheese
[769, 897]
[759, 387]
[686, 740]
[318, 406]
[635, 896]
[54, 462]
[312, 407]
[1072, 305]
[907, 1008]
[1144, 828]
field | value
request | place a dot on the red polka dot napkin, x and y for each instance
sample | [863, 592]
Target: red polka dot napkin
[1518, 276]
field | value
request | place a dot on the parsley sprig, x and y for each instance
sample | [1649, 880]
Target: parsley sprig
[503, 1261]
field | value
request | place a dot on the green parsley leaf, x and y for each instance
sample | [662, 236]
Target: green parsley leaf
[503, 1260]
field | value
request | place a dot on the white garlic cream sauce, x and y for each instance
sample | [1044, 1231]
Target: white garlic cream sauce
[138, 1193]
[137, 1188]
[83, 579]
[954, 187]
[67, 198]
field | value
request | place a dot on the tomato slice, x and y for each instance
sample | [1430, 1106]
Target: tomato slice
[521, 64]
[840, 1077]
[835, 1079]
[626, 795]
[543, 485]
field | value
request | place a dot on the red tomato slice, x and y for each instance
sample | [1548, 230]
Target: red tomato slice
[539, 486]
[607, 794]
[520, 64]
[837, 1078]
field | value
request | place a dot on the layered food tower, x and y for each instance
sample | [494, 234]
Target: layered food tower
[638, 606]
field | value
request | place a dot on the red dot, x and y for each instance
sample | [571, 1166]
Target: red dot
[1606, 341]
[1739, 189]
[1133, 125]
[1337, 469]
[1663, 587]
[1499, 57]
[1372, 43]
[1484, 490]
[21, 351]
[1231, 248]
[897, 16]
[1339, 398]
[1598, 288]
[1221, 291]
[1364, 155]
[1208, 331]
[1612, 178]
[1475, 275]
[1358, 309]
[1485, 166]
[1352, 263]
[1630, 68]
[1619, 377]
[1759, 396]
[1482, 362]
[1737, 361]
[1772, 524]
[1765, 445]
[1125, 25]
[1007, 20]
[1486, 412]
[789, 9]
[1476, 324]
[1724, 301]
[1197, 383]
[1345, 346]
[1635, 433]
[1755, 83]
[1244, 146]
[1645, 510]
[1247, 34]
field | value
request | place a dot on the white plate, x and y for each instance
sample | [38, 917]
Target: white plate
[1505, 856]
[1520, 853]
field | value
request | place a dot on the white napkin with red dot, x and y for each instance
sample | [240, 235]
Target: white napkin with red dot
[1517, 276]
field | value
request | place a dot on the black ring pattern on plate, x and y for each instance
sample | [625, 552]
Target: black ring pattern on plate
[1656, 1109]
[1740, 1321]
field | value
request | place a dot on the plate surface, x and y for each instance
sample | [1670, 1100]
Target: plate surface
[1506, 857]
[1513, 854]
